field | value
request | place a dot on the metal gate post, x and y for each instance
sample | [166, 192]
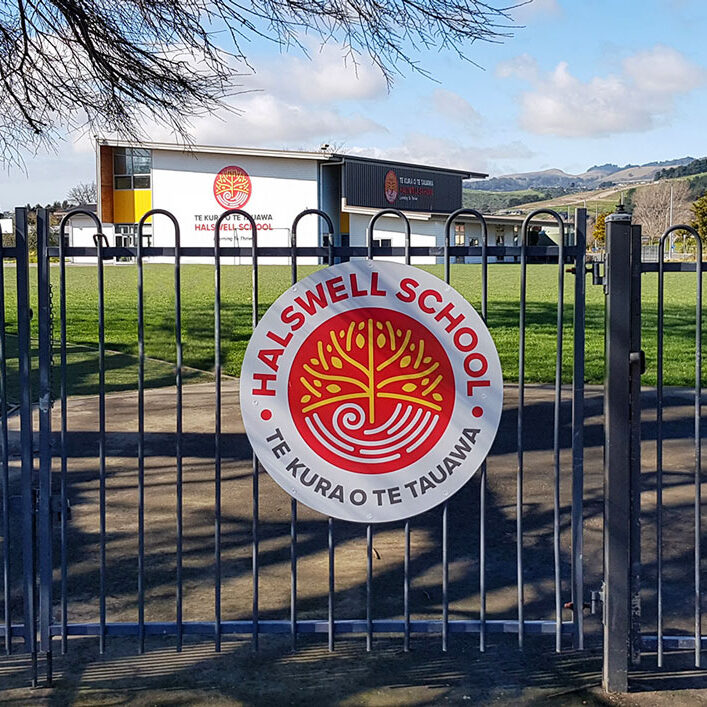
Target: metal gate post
[28, 501]
[44, 547]
[621, 452]
[577, 520]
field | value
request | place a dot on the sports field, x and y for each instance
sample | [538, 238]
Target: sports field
[198, 318]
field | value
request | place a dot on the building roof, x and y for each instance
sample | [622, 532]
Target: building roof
[291, 154]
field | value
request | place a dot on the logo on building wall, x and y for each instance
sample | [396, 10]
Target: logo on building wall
[391, 186]
[371, 391]
[232, 187]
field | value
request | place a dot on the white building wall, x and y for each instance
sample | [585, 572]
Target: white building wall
[81, 231]
[281, 188]
[423, 233]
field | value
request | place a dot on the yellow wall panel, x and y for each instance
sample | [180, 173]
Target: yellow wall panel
[143, 203]
[124, 206]
[344, 223]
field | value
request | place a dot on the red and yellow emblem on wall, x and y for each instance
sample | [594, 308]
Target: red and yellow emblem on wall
[392, 187]
[232, 187]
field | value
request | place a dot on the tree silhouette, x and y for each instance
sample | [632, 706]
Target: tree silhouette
[105, 66]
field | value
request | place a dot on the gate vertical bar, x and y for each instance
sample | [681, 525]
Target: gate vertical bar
[698, 455]
[635, 371]
[5, 483]
[577, 521]
[45, 431]
[519, 443]
[28, 526]
[140, 445]
[100, 240]
[617, 480]
[217, 436]
[256, 469]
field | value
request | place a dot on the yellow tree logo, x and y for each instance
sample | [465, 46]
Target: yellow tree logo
[232, 187]
[371, 390]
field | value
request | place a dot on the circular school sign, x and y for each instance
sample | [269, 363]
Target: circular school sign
[371, 391]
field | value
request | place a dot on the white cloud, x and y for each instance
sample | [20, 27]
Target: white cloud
[533, 8]
[663, 70]
[327, 75]
[290, 102]
[523, 67]
[269, 119]
[455, 108]
[635, 99]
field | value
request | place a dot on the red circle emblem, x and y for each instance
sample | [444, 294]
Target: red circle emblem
[232, 187]
[391, 187]
[371, 390]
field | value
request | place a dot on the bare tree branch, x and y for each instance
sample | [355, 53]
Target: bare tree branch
[82, 194]
[106, 66]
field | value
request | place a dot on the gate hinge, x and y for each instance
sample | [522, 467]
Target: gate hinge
[57, 510]
[595, 269]
[638, 357]
[597, 600]
[54, 504]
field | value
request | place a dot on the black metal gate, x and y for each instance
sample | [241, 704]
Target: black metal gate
[44, 529]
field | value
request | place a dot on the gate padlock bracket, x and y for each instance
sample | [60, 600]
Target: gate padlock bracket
[638, 357]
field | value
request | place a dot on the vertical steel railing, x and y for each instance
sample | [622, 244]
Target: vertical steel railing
[5, 460]
[217, 428]
[293, 503]
[28, 498]
[140, 441]
[697, 474]
[100, 239]
[577, 520]
[45, 545]
[141, 427]
[556, 424]
[482, 485]
[63, 383]
[370, 230]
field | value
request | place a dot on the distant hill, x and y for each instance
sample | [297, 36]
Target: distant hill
[694, 167]
[595, 177]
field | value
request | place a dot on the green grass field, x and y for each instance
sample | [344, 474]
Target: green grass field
[197, 321]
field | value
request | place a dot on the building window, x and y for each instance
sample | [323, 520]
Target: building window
[383, 243]
[126, 235]
[474, 242]
[459, 233]
[131, 168]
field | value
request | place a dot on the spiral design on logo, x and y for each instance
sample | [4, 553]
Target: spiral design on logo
[232, 187]
[391, 186]
[404, 432]
[371, 391]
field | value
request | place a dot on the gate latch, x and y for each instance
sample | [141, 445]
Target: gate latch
[597, 600]
[638, 357]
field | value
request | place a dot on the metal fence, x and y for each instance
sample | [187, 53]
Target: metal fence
[46, 526]
[37, 596]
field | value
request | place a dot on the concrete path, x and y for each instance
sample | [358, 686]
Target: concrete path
[349, 676]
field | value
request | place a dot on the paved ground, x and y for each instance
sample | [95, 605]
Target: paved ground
[349, 676]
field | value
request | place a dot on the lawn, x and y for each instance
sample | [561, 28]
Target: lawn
[197, 320]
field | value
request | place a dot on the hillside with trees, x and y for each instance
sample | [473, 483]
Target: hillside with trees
[686, 170]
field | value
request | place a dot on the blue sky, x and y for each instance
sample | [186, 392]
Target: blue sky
[581, 83]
